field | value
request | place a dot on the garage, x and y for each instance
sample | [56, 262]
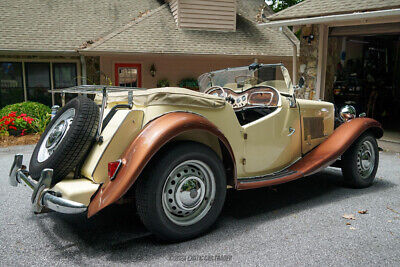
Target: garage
[367, 73]
[349, 55]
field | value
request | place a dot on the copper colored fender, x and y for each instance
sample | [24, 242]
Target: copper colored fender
[152, 137]
[323, 155]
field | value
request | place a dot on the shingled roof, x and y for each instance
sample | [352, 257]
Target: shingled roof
[128, 26]
[59, 25]
[158, 33]
[315, 8]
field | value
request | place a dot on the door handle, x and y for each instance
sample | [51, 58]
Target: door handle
[291, 131]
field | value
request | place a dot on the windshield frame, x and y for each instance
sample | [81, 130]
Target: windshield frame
[252, 68]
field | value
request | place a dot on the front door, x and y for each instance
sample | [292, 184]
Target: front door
[128, 75]
[273, 142]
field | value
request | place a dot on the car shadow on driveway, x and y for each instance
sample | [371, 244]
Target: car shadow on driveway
[118, 235]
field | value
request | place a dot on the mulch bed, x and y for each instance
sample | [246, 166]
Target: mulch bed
[6, 141]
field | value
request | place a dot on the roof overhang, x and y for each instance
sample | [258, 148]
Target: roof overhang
[38, 52]
[379, 16]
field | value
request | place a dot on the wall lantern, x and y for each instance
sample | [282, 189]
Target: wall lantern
[153, 70]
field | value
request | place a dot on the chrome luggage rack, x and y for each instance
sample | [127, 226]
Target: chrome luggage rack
[95, 90]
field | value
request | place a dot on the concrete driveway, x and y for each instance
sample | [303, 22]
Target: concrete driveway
[299, 223]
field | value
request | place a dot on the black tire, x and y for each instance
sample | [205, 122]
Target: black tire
[74, 145]
[352, 168]
[150, 187]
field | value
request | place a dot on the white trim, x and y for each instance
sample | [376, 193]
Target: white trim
[52, 84]
[334, 18]
[294, 57]
[322, 59]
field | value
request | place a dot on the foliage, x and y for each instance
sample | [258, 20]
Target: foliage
[24, 118]
[31, 109]
[278, 5]
[162, 83]
[190, 83]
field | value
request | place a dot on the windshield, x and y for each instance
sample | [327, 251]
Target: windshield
[242, 78]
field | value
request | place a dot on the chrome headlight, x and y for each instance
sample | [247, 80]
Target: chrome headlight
[347, 113]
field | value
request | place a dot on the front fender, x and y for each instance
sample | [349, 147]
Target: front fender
[149, 141]
[323, 155]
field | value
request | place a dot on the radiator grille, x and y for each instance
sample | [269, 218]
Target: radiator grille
[314, 127]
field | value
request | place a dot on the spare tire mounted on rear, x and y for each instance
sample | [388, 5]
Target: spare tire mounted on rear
[66, 140]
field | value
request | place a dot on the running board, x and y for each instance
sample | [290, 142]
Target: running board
[320, 157]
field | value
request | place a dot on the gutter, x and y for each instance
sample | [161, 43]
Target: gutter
[334, 18]
[29, 51]
[83, 70]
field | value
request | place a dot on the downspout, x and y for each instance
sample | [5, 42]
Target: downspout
[294, 45]
[83, 70]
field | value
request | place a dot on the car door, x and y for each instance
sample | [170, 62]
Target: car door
[272, 142]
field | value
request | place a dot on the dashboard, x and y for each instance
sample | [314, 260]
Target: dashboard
[255, 97]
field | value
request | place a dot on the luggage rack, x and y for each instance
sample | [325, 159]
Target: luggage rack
[99, 89]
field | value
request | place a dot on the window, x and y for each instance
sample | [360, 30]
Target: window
[64, 75]
[38, 82]
[11, 85]
[128, 75]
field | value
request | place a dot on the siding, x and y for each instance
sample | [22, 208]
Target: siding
[217, 15]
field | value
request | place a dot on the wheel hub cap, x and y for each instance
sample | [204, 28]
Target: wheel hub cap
[188, 192]
[366, 159]
[56, 134]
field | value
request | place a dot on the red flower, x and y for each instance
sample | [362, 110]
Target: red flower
[12, 128]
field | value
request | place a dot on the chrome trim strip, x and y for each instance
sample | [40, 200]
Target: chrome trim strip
[277, 175]
[62, 205]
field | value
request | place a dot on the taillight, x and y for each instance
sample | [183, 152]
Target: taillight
[113, 168]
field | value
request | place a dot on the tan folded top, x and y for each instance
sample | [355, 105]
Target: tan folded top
[174, 96]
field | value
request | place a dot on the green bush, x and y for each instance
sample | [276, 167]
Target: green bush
[32, 109]
[24, 118]
[162, 83]
[190, 83]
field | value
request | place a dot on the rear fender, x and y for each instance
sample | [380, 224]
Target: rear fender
[150, 140]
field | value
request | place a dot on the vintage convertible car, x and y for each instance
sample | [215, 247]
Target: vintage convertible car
[175, 152]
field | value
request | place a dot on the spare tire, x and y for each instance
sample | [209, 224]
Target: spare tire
[66, 140]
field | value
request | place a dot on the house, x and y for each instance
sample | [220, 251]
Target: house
[349, 53]
[56, 44]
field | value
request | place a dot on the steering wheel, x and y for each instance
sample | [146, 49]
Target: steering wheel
[212, 91]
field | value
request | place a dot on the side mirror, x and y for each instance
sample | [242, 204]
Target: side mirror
[301, 82]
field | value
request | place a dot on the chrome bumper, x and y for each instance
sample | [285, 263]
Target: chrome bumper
[42, 196]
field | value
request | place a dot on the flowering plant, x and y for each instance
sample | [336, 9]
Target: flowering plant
[20, 125]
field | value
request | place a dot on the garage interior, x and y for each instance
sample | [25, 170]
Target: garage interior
[368, 72]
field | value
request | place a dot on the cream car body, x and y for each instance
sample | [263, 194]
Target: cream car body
[176, 151]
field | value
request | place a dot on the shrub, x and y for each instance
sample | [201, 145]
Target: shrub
[31, 109]
[190, 83]
[24, 118]
[162, 83]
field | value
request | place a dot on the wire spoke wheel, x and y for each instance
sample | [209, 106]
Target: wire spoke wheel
[188, 192]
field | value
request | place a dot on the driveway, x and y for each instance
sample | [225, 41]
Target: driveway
[299, 223]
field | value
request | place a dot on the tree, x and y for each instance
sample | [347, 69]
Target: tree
[278, 5]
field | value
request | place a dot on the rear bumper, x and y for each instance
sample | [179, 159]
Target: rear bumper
[42, 197]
